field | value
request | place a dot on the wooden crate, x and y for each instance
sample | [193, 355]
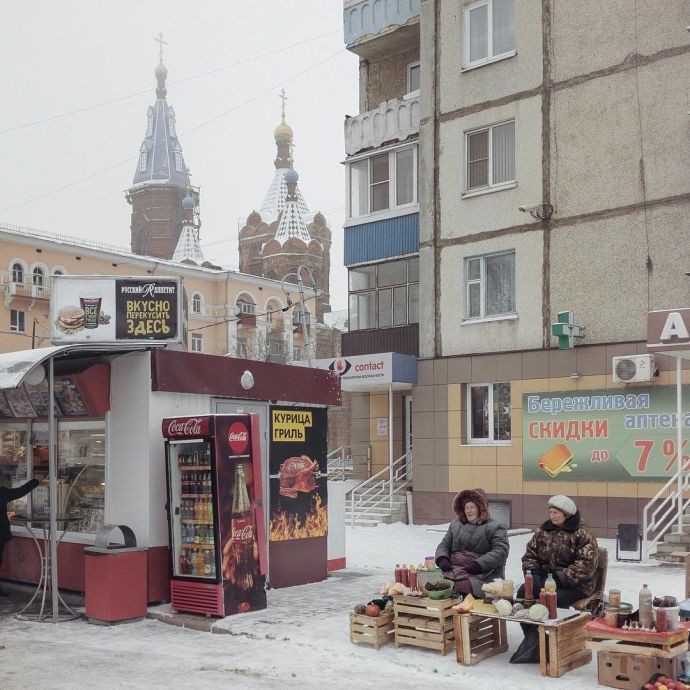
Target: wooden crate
[665, 645]
[371, 630]
[562, 646]
[424, 622]
[478, 637]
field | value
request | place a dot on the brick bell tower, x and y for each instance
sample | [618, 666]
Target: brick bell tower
[161, 182]
[282, 237]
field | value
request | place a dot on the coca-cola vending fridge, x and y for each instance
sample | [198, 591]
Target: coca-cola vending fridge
[215, 514]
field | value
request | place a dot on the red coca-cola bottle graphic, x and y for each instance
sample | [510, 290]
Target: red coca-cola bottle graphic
[242, 533]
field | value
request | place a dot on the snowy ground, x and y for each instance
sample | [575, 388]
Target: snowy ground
[300, 641]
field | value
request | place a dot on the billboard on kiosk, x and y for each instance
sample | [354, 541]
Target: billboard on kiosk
[114, 309]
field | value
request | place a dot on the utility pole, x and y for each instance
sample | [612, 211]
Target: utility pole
[303, 311]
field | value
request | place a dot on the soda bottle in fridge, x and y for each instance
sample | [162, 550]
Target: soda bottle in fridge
[242, 530]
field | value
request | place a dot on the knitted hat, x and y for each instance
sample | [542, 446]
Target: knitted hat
[564, 504]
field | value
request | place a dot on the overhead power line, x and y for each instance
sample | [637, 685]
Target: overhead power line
[184, 133]
[119, 99]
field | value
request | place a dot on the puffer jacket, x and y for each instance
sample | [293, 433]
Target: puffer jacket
[487, 539]
[571, 548]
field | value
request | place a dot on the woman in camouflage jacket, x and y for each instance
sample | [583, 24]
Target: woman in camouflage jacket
[565, 547]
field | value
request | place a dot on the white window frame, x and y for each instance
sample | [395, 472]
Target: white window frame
[408, 92]
[14, 322]
[21, 273]
[393, 207]
[246, 307]
[489, 441]
[482, 289]
[490, 187]
[197, 303]
[241, 348]
[149, 126]
[178, 161]
[171, 125]
[143, 160]
[38, 276]
[490, 37]
[197, 342]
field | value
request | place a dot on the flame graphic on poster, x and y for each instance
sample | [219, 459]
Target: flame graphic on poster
[286, 526]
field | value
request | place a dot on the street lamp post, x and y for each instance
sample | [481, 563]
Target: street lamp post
[300, 285]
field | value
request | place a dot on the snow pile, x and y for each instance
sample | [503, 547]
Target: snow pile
[300, 641]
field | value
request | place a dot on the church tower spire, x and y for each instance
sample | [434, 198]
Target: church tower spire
[161, 179]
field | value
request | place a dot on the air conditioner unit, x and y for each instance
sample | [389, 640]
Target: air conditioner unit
[633, 369]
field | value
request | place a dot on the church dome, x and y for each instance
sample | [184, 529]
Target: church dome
[188, 203]
[161, 71]
[291, 176]
[283, 130]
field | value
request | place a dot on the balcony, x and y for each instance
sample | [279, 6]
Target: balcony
[393, 120]
[375, 28]
[14, 290]
[402, 339]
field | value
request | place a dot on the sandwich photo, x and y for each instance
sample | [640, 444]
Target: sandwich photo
[556, 459]
[70, 319]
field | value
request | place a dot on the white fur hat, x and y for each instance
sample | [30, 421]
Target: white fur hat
[564, 504]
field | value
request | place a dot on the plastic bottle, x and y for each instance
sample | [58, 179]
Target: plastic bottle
[552, 604]
[529, 585]
[550, 584]
[412, 577]
[646, 614]
[405, 575]
[398, 573]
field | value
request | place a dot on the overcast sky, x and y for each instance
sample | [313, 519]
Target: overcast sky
[68, 174]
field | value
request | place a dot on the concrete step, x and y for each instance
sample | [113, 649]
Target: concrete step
[675, 537]
[383, 504]
[667, 557]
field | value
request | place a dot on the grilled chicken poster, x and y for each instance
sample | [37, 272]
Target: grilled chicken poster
[297, 460]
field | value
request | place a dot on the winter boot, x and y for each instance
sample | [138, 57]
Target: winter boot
[528, 651]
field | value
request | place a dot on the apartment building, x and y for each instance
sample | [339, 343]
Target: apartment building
[381, 233]
[553, 150]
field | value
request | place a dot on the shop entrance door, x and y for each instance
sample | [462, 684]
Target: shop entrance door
[260, 409]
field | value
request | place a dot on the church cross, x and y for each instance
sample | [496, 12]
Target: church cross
[161, 43]
[283, 98]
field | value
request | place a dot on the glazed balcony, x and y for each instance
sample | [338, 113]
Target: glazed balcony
[375, 28]
[393, 120]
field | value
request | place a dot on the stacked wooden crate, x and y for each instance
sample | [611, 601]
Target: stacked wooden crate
[424, 622]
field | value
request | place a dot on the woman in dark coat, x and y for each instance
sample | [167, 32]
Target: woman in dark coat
[8, 494]
[475, 547]
[564, 547]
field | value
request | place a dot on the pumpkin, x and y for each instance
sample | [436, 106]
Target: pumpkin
[372, 610]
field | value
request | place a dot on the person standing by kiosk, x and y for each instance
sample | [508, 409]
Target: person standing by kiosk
[8, 494]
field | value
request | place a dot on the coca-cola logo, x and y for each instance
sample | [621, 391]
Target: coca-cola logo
[190, 426]
[244, 533]
[238, 438]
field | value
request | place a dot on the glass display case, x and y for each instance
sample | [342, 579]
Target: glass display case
[81, 473]
[14, 460]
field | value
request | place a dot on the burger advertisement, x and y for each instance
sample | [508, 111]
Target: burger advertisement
[108, 309]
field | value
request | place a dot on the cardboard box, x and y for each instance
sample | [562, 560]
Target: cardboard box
[631, 671]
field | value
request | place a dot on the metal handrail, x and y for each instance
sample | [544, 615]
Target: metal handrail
[336, 463]
[380, 487]
[661, 524]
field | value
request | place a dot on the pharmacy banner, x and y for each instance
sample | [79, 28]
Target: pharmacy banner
[603, 435]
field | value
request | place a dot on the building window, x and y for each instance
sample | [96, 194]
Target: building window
[490, 285]
[171, 126]
[149, 126]
[413, 72]
[196, 303]
[37, 277]
[197, 342]
[178, 161]
[142, 161]
[382, 182]
[246, 307]
[17, 273]
[489, 31]
[241, 350]
[490, 156]
[17, 321]
[488, 412]
[384, 295]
